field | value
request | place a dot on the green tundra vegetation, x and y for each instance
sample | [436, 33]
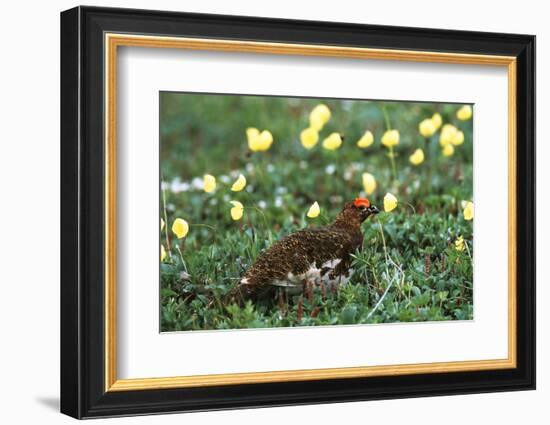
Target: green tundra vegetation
[412, 160]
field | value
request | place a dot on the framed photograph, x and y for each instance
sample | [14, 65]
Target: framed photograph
[261, 212]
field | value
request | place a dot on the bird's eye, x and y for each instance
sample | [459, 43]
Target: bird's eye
[362, 208]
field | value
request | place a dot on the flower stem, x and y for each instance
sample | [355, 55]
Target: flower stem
[181, 257]
[412, 207]
[204, 225]
[257, 209]
[392, 159]
[391, 154]
[383, 242]
[386, 117]
[166, 223]
[430, 159]
[468, 251]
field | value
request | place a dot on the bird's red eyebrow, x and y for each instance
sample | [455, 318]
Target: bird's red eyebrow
[361, 202]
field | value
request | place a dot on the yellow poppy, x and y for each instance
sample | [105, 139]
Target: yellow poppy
[251, 134]
[390, 202]
[460, 244]
[309, 137]
[319, 116]
[417, 157]
[448, 150]
[369, 183]
[266, 139]
[464, 113]
[450, 135]
[239, 184]
[390, 138]
[437, 120]
[209, 183]
[459, 138]
[180, 227]
[427, 127]
[237, 210]
[314, 210]
[258, 142]
[469, 211]
[332, 142]
[366, 140]
[162, 253]
[316, 122]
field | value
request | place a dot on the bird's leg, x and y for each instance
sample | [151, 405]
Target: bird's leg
[281, 302]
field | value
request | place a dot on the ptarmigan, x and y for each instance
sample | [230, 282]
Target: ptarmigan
[320, 254]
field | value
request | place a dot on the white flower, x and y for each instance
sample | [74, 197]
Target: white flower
[330, 169]
[348, 174]
[197, 183]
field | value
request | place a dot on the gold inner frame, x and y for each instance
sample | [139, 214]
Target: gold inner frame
[113, 41]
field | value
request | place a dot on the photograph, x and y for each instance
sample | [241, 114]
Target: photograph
[287, 210]
[292, 211]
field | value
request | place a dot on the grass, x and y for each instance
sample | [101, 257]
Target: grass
[431, 283]
[409, 269]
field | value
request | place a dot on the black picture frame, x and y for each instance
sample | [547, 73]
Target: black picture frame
[83, 392]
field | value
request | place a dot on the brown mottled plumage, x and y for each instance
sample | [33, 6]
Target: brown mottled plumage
[321, 254]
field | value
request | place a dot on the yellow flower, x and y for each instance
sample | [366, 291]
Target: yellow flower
[316, 122]
[459, 138]
[417, 157]
[332, 142]
[237, 210]
[209, 183]
[427, 127]
[180, 227]
[162, 253]
[450, 135]
[239, 184]
[369, 183]
[314, 210]
[390, 138]
[266, 139]
[258, 142]
[251, 134]
[390, 202]
[469, 211]
[366, 140]
[460, 244]
[448, 150]
[309, 137]
[319, 116]
[437, 120]
[464, 113]
[161, 224]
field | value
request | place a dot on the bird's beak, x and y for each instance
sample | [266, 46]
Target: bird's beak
[373, 210]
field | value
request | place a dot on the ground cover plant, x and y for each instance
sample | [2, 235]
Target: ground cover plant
[240, 172]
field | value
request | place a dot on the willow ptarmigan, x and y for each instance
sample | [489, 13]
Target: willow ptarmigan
[321, 254]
